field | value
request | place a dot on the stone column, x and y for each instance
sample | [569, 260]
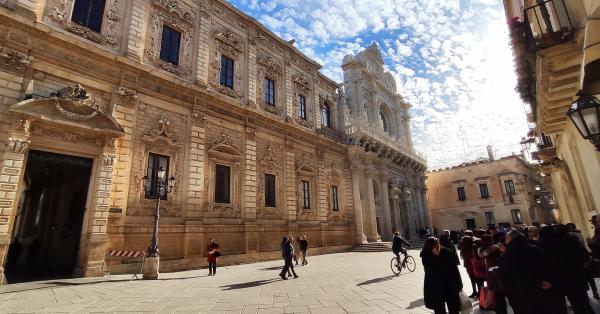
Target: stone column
[387, 215]
[12, 165]
[372, 234]
[358, 216]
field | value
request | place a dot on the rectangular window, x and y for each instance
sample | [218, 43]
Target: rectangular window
[270, 190]
[169, 45]
[509, 186]
[226, 71]
[462, 196]
[269, 91]
[489, 218]
[89, 13]
[516, 216]
[302, 107]
[222, 186]
[305, 194]
[156, 162]
[334, 198]
[483, 190]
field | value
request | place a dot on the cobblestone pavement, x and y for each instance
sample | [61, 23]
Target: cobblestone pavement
[335, 283]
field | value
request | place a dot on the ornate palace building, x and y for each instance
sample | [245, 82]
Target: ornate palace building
[98, 98]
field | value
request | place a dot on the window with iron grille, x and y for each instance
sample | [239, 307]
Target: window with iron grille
[227, 71]
[483, 190]
[302, 107]
[270, 190]
[269, 91]
[516, 216]
[334, 198]
[509, 186]
[169, 45]
[305, 194]
[489, 218]
[222, 184]
[89, 13]
[155, 162]
[462, 196]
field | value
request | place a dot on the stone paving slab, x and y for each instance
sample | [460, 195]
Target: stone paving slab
[335, 283]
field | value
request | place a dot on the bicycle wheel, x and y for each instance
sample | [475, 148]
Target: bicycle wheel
[396, 268]
[410, 264]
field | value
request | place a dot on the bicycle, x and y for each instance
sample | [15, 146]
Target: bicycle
[408, 263]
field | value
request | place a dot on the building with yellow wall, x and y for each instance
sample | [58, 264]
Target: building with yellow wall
[557, 52]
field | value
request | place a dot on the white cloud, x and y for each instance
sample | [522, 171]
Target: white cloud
[451, 60]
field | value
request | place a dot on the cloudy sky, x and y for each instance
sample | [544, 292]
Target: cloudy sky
[451, 60]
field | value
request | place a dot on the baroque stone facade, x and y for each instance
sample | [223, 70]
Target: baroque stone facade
[103, 103]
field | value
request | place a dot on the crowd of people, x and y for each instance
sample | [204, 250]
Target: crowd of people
[536, 269]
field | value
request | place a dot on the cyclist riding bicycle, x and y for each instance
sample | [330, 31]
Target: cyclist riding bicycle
[397, 247]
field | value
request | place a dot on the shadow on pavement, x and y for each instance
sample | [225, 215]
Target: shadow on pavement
[38, 285]
[415, 304]
[250, 284]
[377, 280]
[272, 268]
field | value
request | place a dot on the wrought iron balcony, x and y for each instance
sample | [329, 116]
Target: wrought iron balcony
[549, 23]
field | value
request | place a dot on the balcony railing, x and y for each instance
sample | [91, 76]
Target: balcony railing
[378, 134]
[549, 23]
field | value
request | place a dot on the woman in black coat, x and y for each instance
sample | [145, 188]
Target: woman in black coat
[442, 278]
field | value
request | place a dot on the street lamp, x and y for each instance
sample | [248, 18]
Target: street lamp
[585, 114]
[159, 189]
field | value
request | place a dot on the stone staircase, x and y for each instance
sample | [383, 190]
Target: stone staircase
[383, 246]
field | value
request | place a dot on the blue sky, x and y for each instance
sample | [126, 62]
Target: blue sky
[451, 60]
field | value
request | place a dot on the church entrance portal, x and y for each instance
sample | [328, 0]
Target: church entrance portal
[49, 219]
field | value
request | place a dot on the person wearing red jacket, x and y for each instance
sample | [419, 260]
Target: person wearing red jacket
[213, 253]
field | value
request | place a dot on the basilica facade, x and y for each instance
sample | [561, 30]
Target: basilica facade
[101, 102]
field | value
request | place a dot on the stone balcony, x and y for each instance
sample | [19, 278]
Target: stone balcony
[375, 139]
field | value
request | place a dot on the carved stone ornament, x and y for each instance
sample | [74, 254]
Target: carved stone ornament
[127, 93]
[60, 14]
[7, 4]
[14, 58]
[162, 131]
[302, 83]
[198, 116]
[16, 145]
[68, 136]
[74, 115]
[304, 165]
[270, 65]
[269, 162]
[21, 125]
[174, 7]
[109, 160]
[250, 133]
[72, 92]
[229, 43]
[223, 139]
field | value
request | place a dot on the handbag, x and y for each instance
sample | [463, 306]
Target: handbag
[465, 303]
[486, 298]
[217, 254]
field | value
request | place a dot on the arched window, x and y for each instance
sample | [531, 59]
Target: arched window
[325, 119]
[382, 116]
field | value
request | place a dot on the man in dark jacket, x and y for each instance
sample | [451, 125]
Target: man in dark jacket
[287, 253]
[521, 274]
[446, 242]
[303, 249]
[397, 246]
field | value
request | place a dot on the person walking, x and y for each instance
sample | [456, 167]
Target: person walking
[304, 249]
[213, 253]
[491, 254]
[466, 254]
[521, 274]
[446, 242]
[287, 253]
[442, 283]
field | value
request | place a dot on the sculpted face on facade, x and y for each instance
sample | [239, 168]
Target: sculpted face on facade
[103, 93]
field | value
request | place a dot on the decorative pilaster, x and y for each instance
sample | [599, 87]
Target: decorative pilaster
[12, 165]
[249, 212]
[290, 189]
[137, 30]
[358, 212]
[372, 234]
[195, 186]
